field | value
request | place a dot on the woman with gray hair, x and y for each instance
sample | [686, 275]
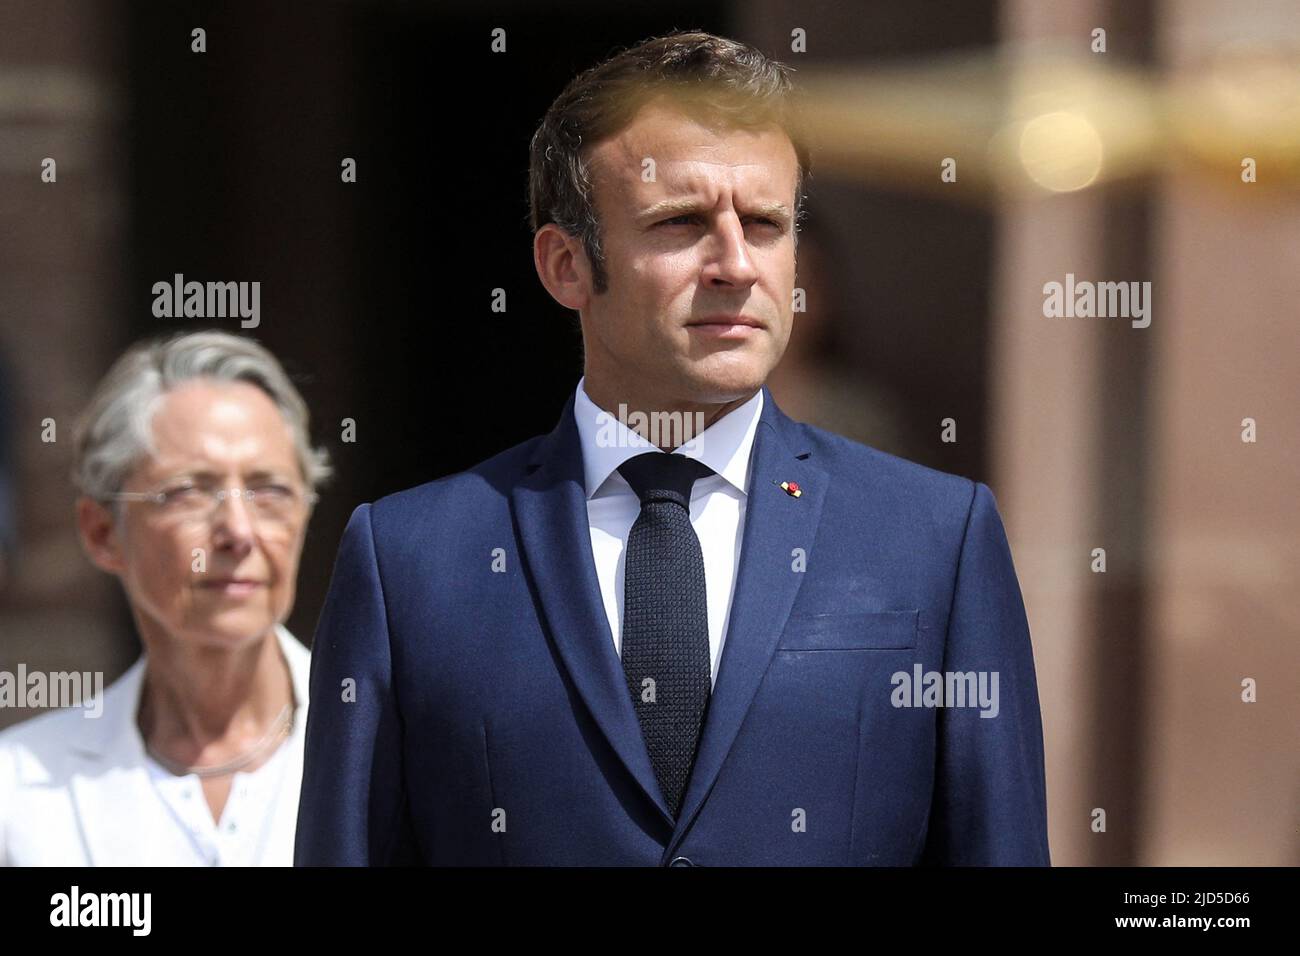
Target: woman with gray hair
[197, 480]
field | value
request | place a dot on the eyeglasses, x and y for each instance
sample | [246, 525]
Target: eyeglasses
[272, 502]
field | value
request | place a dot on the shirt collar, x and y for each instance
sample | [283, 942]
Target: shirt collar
[724, 446]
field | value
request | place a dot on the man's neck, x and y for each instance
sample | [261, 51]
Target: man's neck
[637, 412]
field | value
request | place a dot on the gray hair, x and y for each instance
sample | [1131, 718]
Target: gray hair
[115, 431]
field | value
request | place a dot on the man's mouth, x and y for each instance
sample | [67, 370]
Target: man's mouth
[726, 326]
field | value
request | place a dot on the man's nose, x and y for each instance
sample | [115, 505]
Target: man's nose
[732, 263]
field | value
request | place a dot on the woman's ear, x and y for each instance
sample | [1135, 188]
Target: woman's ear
[98, 530]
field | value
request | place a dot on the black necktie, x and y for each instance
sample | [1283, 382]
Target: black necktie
[665, 617]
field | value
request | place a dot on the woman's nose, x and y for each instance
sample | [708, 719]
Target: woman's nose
[233, 519]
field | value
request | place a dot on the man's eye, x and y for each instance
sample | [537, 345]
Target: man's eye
[676, 219]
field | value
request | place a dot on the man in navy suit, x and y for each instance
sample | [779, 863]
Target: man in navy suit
[735, 640]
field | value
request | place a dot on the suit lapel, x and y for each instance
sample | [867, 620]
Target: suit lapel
[551, 511]
[550, 506]
[775, 524]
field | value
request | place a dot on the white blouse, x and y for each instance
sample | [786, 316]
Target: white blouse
[79, 791]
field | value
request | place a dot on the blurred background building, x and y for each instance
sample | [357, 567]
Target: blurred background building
[1119, 156]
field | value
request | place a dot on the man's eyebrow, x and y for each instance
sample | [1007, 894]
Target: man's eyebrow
[677, 207]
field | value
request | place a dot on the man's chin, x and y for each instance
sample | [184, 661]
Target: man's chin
[719, 383]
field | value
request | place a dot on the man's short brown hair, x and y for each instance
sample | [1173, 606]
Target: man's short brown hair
[712, 78]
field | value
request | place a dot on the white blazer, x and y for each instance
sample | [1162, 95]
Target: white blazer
[76, 791]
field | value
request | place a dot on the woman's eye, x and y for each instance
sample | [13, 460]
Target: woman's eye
[273, 491]
[182, 493]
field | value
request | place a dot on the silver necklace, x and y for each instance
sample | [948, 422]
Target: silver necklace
[281, 727]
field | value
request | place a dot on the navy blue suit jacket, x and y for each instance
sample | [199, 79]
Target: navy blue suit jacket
[468, 706]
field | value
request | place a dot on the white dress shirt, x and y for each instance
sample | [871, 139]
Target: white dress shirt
[78, 791]
[717, 504]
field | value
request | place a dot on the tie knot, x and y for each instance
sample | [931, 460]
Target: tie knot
[656, 476]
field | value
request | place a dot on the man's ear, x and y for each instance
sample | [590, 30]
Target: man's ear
[563, 267]
[100, 537]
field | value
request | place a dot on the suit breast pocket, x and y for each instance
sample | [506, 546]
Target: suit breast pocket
[851, 631]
